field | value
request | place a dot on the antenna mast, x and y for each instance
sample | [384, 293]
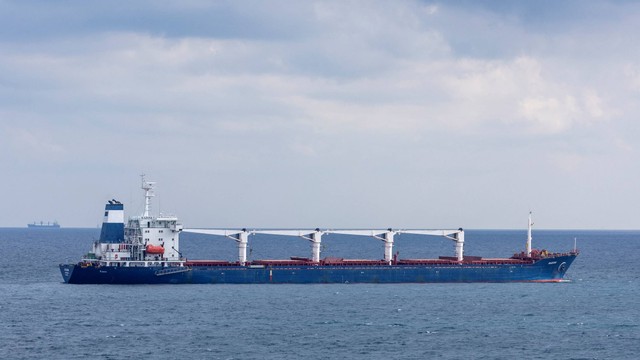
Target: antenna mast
[147, 186]
[528, 249]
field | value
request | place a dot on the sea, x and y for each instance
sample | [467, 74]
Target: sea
[594, 315]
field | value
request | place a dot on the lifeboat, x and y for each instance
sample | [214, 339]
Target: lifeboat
[152, 249]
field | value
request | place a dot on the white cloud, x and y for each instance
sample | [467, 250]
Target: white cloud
[436, 91]
[632, 74]
[33, 143]
[593, 105]
[549, 115]
[304, 148]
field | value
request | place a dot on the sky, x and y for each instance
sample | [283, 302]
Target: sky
[333, 114]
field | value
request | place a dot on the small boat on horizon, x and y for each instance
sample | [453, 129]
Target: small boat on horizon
[43, 225]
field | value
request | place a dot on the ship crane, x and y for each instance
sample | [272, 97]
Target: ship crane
[385, 235]
[314, 236]
[240, 236]
[456, 235]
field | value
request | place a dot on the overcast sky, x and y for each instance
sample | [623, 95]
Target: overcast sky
[322, 113]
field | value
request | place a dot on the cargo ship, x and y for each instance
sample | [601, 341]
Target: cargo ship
[43, 225]
[146, 251]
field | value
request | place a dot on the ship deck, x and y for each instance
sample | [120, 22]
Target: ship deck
[471, 260]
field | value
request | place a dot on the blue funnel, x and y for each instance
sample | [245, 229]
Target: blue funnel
[113, 224]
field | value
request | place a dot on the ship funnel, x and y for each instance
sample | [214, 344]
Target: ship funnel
[113, 223]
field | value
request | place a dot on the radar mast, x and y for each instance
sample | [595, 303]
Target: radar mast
[148, 187]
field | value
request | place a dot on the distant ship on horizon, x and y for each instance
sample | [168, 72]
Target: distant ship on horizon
[43, 225]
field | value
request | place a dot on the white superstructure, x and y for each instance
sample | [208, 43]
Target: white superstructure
[157, 237]
[145, 240]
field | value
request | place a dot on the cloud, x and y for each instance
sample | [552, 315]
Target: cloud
[411, 99]
[386, 71]
[32, 143]
[632, 74]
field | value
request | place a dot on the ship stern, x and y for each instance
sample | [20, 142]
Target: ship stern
[67, 271]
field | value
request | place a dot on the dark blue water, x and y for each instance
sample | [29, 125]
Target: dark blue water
[596, 316]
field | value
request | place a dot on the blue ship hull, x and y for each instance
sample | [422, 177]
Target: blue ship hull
[545, 270]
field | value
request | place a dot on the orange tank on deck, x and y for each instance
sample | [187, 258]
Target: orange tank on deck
[152, 249]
